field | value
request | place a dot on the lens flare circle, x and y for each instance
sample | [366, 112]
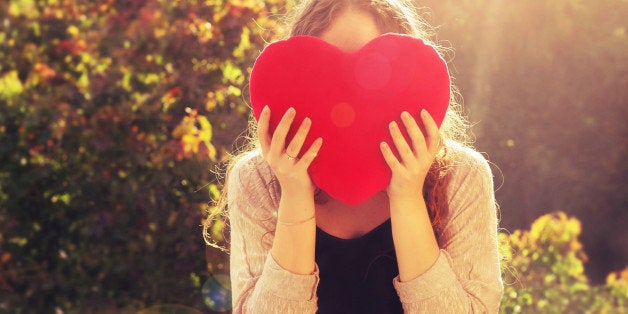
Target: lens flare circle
[216, 293]
[342, 115]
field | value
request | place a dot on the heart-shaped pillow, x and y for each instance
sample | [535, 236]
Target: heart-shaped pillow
[351, 98]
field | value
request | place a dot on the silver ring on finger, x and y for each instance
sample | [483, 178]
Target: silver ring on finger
[290, 157]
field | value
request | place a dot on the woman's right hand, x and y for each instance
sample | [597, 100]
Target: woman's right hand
[290, 170]
[295, 233]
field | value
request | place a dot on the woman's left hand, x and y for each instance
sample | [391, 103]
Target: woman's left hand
[416, 158]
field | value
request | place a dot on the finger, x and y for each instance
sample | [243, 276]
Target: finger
[433, 135]
[310, 154]
[263, 133]
[404, 150]
[278, 141]
[415, 133]
[389, 157]
[294, 148]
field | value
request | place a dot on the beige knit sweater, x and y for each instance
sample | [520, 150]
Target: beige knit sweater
[466, 277]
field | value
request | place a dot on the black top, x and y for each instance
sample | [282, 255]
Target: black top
[356, 275]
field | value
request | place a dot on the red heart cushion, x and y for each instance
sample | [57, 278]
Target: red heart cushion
[351, 98]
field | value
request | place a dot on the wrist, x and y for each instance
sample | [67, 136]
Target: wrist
[298, 191]
[296, 207]
[409, 193]
[297, 222]
[405, 193]
[406, 201]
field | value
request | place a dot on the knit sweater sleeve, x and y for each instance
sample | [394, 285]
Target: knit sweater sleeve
[466, 276]
[259, 284]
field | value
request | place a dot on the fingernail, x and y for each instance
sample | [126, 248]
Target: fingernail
[405, 115]
[291, 111]
[265, 109]
[424, 113]
[317, 145]
[307, 121]
[393, 125]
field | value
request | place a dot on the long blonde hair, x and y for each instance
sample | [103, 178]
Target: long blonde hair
[312, 17]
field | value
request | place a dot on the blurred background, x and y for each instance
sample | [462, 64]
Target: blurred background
[115, 115]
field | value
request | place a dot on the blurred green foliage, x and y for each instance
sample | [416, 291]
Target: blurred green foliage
[543, 272]
[113, 114]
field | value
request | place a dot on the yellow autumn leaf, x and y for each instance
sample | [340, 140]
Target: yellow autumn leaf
[211, 103]
[10, 85]
[190, 143]
[245, 43]
[73, 31]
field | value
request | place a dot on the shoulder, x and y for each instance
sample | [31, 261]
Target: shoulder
[468, 175]
[459, 154]
[250, 177]
[470, 208]
[463, 161]
[249, 168]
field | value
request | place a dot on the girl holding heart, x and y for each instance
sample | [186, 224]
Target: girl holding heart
[427, 243]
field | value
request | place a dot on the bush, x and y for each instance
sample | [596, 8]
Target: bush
[112, 114]
[543, 271]
[106, 145]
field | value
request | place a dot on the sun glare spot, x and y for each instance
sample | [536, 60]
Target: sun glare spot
[342, 115]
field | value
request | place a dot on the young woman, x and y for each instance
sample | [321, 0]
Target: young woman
[428, 243]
